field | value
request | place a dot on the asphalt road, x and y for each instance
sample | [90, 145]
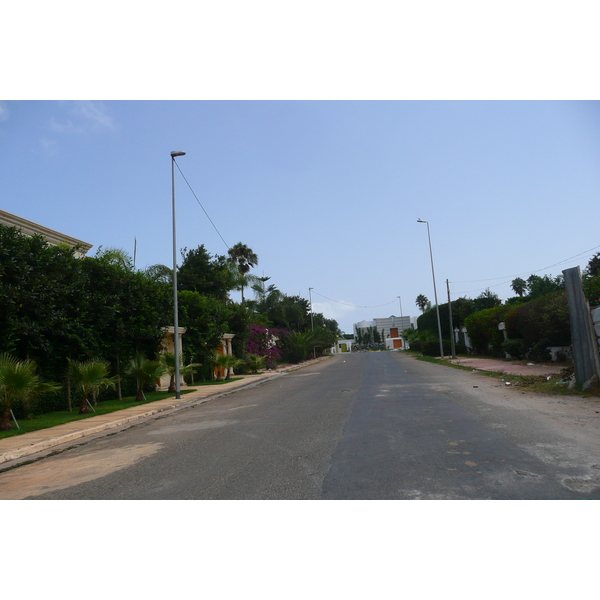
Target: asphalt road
[361, 426]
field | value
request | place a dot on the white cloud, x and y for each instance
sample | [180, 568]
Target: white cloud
[85, 117]
[95, 115]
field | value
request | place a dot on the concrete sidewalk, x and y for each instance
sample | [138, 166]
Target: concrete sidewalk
[18, 447]
[510, 367]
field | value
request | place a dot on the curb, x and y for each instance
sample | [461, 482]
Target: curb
[28, 450]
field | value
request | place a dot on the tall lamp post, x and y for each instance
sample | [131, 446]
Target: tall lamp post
[437, 308]
[175, 309]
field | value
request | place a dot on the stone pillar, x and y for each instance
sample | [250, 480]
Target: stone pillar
[585, 346]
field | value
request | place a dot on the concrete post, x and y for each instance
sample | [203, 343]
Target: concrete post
[585, 346]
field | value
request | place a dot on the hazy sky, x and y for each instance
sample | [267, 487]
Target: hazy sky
[327, 193]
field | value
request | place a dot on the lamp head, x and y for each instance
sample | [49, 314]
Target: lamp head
[421, 221]
[177, 153]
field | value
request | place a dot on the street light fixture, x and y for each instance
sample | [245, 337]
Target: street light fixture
[175, 307]
[437, 308]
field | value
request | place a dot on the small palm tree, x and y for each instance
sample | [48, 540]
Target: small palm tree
[19, 382]
[168, 360]
[255, 362]
[90, 377]
[145, 371]
[225, 363]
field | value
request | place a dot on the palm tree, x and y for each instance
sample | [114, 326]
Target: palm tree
[245, 258]
[422, 302]
[168, 360]
[225, 362]
[145, 371]
[90, 378]
[255, 362]
[115, 256]
[519, 286]
[19, 382]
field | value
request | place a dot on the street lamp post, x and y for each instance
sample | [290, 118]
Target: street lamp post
[437, 308]
[175, 307]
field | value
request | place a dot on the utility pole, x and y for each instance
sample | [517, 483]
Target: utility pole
[452, 346]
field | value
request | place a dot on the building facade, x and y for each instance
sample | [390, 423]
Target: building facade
[50, 235]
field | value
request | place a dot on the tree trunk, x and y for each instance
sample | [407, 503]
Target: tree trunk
[140, 394]
[5, 424]
[171, 389]
[84, 406]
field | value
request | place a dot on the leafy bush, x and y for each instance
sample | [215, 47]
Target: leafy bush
[433, 348]
[482, 328]
[515, 348]
[546, 317]
[539, 352]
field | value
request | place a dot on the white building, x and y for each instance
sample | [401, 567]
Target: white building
[390, 328]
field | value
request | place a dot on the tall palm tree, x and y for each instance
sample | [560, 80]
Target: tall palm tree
[19, 382]
[245, 258]
[145, 372]
[90, 377]
[422, 302]
[519, 286]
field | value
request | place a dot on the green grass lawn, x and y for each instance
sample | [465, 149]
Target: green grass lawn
[107, 406]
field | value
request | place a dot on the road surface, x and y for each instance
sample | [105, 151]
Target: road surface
[361, 426]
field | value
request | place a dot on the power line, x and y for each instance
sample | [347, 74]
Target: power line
[530, 272]
[353, 305]
[202, 207]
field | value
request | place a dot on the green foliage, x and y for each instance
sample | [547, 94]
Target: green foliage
[482, 327]
[546, 317]
[593, 266]
[519, 286]
[244, 258]
[591, 289]
[225, 363]
[56, 306]
[145, 372]
[486, 299]
[90, 377]
[205, 318]
[201, 272]
[19, 382]
[540, 286]
[422, 302]
[255, 362]
[515, 348]
[461, 309]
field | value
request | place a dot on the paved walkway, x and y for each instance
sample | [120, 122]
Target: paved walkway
[18, 447]
[513, 367]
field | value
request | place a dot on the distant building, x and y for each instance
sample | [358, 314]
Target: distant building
[390, 328]
[52, 237]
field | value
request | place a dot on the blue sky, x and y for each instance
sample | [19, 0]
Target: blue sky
[327, 193]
